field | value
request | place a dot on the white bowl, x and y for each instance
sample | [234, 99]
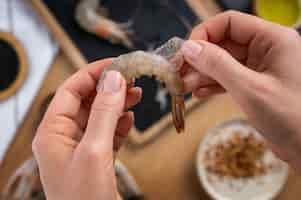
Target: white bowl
[263, 187]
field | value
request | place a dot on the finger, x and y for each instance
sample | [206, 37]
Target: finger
[134, 96]
[77, 88]
[208, 91]
[59, 129]
[131, 83]
[216, 63]
[106, 110]
[238, 27]
[184, 69]
[278, 151]
[125, 124]
[82, 118]
[238, 51]
[194, 80]
[66, 104]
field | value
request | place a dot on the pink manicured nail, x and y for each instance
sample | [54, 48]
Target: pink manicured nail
[192, 50]
[110, 83]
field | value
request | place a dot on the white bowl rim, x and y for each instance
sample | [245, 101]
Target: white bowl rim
[200, 173]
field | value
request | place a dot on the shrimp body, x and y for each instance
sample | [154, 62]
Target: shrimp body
[89, 17]
[163, 63]
[138, 63]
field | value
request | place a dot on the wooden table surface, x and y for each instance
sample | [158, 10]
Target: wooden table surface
[165, 169]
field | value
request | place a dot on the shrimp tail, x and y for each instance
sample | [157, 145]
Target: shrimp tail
[170, 51]
[178, 112]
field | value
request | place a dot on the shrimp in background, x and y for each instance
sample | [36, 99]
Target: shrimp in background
[91, 17]
[25, 183]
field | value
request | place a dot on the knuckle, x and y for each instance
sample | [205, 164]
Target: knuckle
[93, 153]
[265, 87]
[232, 13]
[60, 88]
[63, 123]
[104, 108]
[293, 35]
[57, 125]
[38, 144]
[38, 141]
[34, 145]
[83, 70]
[235, 14]
[102, 105]
[288, 41]
[287, 37]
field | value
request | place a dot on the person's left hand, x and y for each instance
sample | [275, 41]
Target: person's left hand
[79, 133]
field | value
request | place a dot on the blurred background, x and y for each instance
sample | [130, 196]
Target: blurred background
[43, 42]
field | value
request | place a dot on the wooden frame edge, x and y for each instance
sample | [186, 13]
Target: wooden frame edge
[137, 138]
[203, 9]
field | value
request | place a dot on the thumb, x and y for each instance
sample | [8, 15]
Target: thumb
[213, 61]
[106, 110]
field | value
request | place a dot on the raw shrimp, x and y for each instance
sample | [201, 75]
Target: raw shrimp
[164, 64]
[25, 183]
[91, 17]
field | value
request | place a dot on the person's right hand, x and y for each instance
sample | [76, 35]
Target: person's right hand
[259, 64]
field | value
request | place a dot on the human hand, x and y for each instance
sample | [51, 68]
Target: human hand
[75, 140]
[257, 62]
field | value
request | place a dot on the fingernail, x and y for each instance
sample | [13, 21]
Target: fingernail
[111, 82]
[192, 50]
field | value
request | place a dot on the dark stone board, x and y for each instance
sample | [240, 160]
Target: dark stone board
[154, 22]
[240, 5]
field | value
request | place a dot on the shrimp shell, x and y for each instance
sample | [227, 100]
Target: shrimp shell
[164, 64]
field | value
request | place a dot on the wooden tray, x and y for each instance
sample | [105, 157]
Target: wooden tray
[203, 9]
[138, 138]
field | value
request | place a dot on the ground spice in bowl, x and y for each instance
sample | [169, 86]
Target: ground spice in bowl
[234, 162]
[238, 157]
